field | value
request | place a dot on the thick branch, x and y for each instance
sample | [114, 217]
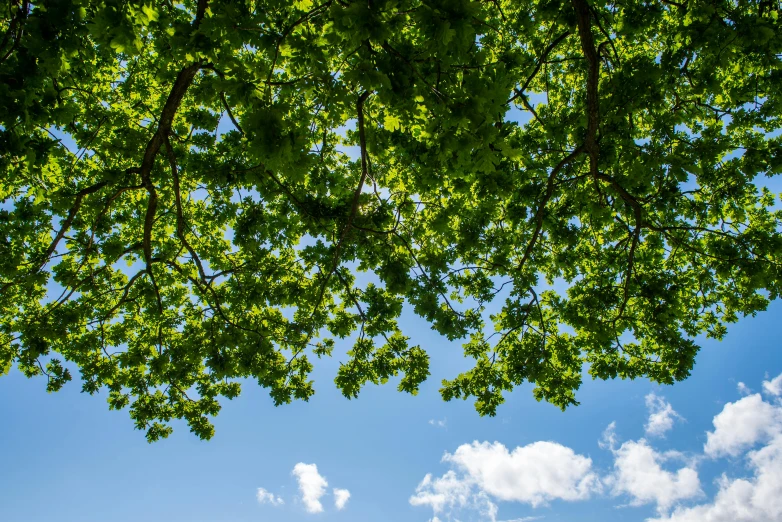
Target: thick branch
[181, 85]
[149, 221]
[362, 138]
[593, 72]
[183, 81]
[200, 11]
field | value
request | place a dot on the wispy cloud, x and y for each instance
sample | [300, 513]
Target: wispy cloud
[608, 439]
[438, 423]
[661, 416]
[774, 386]
[265, 497]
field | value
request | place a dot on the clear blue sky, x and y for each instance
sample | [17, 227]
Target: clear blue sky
[64, 456]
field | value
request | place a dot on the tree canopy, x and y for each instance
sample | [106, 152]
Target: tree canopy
[211, 226]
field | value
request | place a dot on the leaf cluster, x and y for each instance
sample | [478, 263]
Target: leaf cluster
[180, 212]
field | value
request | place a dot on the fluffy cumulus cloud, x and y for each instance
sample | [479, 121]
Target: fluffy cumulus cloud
[266, 497]
[312, 486]
[532, 474]
[639, 474]
[484, 472]
[661, 416]
[341, 497]
[742, 425]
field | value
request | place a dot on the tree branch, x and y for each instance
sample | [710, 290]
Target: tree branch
[520, 92]
[356, 197]
[285, 34]
[180, 219]
[550, 184]
[178, 90]
[230, 113]
[591, 146]
[19, 19]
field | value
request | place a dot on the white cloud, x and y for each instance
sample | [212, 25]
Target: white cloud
[754, 499]
[639, 474]
[311, 485]
[446, 492]
[743, 389]
[774, 386]
[532, 474]
[757, 498]
[341, 497]
[482, 472]
[742, 424]
[661, 416]
[608, 439]
[266, 497]
[438, 423]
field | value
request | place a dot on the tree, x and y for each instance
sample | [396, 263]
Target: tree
[167, 259]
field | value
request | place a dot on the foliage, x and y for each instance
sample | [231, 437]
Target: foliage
[173, 255]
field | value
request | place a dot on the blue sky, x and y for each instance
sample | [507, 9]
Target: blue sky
[65, 456]
[632, 451]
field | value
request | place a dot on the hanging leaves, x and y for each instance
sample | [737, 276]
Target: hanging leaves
[198, 193]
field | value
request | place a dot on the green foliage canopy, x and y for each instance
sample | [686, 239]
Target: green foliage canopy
[167, 260]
